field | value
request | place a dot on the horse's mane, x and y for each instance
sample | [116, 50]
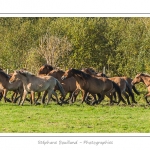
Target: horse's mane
[81, 73]
[58, 70]
[25, 73]
[145, 74]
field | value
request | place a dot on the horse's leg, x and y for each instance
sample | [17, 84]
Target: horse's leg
[12, 97]
[55, 94]
[4, 95]
[50, 91]
[100, 98]
[127, 97]
[1, 96]
[135, 90]
[74, 95]
[84, 93]
[110, 96]
[129, 91]
[36, 103]
[21, 91]
[43, 97]
[115, 97]
[87, 100]
[120, 98]
[32, 97]
[147, 95]
[70, 94]
[24, 97]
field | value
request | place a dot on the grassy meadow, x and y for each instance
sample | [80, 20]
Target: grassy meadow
[76, 118]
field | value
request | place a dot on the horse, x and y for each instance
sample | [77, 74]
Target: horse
[145, 78]
[45, 69]
[123, 82]
[89, 84]
[69, 84]
[33, 83]
[5, 86]
[91, 71]
[124, 87]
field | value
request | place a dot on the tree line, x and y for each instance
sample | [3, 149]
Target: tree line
[120, 44]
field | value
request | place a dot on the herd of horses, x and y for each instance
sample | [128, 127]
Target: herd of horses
[94, 86]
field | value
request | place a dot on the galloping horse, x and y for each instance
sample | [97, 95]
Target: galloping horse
[5, 86]
[89, 84]
[123, 82]
[145, 78]
[32, 83]
[124, 87]
[69, 84]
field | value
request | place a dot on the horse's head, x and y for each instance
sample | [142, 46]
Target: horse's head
[45, 69]
[137, 79]
[15, 76]
[90, 71]
[100, 74]
[67, 74]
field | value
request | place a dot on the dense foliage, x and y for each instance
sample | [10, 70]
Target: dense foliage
[121, 45]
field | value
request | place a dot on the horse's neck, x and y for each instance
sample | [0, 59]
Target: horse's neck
[59, 75]
[146, 80]
[25, 80]
[4, 82]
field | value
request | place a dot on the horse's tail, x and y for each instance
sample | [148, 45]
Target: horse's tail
[117, 89]
[135, 90]
[129, 90]
[61, 88]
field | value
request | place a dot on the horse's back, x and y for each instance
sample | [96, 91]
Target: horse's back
[121, 82]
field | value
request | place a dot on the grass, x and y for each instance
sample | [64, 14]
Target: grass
[76, 118]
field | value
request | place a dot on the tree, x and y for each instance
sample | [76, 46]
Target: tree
[54, 49]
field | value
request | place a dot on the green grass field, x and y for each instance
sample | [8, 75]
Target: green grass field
[76, 118]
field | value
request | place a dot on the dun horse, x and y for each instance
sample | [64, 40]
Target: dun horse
[32, 83]
[123, 82]
[145, 78]
[5, 86]
[89, 84]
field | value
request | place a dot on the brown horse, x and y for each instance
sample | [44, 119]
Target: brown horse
[145, 78]
[69, 84]
[91, 71]
[124, 87]
[5, 86]
[122, 82]
[45, 69]
[32, 83]
[89, 84]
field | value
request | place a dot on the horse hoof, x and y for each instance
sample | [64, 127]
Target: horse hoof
[59, 103]
[37, 103]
